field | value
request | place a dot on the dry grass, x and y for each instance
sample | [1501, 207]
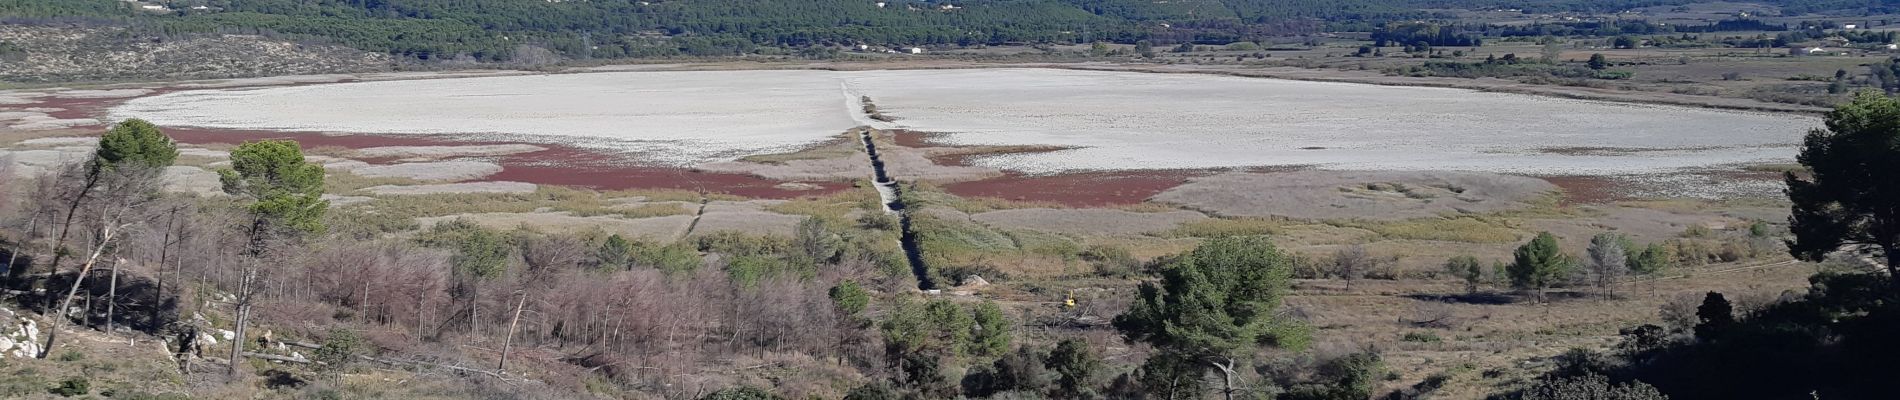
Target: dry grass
[839, 148]
[199, 161]
[1386, 195]
[1089, 222]
[668, 195]
[1776, 167]
[344, 183]
[576, 201]
[1468, 229]
[10, 137]
[646, 211]
[1219, 227]
[105, 362]
[834, 209]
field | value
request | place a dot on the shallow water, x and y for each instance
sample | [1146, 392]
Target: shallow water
[1114, 120]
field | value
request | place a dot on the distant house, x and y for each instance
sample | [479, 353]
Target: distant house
[1891, 46]
[1849, 26]
[1814, 51]
[880, 4]
[916, 50]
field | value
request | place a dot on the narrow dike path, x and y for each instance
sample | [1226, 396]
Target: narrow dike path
[892, 196]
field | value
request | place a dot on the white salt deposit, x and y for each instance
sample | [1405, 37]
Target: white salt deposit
[446, 151]
[101, 93]
[1113, 120]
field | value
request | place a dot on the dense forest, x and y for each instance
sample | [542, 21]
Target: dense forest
[490, 30]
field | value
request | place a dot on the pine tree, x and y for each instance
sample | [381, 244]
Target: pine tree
[1851, 200]
[1539, 264]
[1212, 306]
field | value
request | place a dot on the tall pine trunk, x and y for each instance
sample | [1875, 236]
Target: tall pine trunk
[243, 318]
[66, 227]
[508, 342]
[112, 296]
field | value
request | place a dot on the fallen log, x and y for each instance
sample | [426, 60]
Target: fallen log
[274, 357]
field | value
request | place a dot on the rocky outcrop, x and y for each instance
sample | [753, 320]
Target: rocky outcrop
[19, 337]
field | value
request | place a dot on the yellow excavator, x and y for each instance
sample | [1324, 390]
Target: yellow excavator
[1069, 304]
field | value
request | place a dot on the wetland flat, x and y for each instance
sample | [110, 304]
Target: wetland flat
[1105, 120]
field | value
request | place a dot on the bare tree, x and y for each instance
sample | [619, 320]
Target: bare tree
[507, 344]
[1352, 262]
[1609, 261]
[128, 189]
[173, 235]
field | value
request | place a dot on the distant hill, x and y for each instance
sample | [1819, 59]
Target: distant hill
[489, 30]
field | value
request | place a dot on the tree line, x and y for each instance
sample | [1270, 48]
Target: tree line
[491, 30]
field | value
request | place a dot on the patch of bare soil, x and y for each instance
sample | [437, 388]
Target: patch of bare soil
[847, 162]
[1353, 194]
[1085, 189]
[192, 180]
[747, 217]
[431, 171]
[1643, 225]
[1087, 221]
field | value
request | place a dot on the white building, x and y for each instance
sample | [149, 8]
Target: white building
[916, 50]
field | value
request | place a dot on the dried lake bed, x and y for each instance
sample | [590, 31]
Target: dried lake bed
[1101, 120]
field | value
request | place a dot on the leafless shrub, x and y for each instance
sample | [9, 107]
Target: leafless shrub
[1679, 314]
[1352, 262]
[1433, 315]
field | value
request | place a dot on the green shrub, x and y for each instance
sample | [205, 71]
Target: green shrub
[73, 386]
[1111, 261]
[1590, 387]
[1421, 337]
[672, 258]
[741, 393]
[1697, 231]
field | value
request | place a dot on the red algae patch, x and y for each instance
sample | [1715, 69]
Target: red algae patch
[1587, 189]
[1084, 189]
[553, 165]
